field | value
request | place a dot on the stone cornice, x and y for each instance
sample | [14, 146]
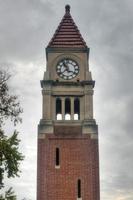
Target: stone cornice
[66, 83]
[68, 49]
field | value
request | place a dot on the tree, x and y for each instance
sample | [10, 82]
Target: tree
[10, 157]
[9, 195]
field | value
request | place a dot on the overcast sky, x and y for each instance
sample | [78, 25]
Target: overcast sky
[26, 27]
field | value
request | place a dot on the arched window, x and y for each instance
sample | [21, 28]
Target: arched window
[59, 116]
[79, 188]
[76, 117]
[58, 109]
[76, 109]
[67, 109]
[67, 117]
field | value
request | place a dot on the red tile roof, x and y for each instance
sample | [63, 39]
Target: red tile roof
[67, 33]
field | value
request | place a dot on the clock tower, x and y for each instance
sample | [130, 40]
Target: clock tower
[68, 163]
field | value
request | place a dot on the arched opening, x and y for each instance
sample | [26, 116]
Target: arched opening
[76, 109]
[67, 117]
[67, 109]
[59, 116]
[79, 188]
[58, 109]
[76, 117]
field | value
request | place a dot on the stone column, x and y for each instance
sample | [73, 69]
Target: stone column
[63, 107]
[72, 108]
[89, 103]
[46, 105]
[53, 110]
[82, 108]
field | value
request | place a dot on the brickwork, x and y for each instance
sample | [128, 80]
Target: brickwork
[78, 160]
[67, 34]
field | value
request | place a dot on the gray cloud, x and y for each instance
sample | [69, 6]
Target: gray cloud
[24, 26]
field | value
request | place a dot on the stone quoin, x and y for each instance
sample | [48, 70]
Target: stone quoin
[68, 155]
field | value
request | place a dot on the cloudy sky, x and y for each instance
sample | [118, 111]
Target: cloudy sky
[26, 27]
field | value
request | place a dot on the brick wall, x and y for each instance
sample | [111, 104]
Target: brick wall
[78, 160]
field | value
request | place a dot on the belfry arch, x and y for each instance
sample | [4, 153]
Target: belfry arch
[58, 109]
[71, 107]
[67, 109]
[76, 109]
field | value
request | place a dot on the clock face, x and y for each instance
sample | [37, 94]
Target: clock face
[67, 69]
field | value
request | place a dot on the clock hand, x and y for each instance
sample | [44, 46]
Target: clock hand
[66, 66]
[71, 72]
[64, 70]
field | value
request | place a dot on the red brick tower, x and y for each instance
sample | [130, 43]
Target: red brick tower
[68, 167]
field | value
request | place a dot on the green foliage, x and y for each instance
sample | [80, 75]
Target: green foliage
[9, 195]
[9, 104]
[10, 157]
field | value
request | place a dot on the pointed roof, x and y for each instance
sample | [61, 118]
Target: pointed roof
[67, 33]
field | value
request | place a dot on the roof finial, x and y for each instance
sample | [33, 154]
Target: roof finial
[67, 8]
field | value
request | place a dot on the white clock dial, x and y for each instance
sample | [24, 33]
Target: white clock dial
[67, 69]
